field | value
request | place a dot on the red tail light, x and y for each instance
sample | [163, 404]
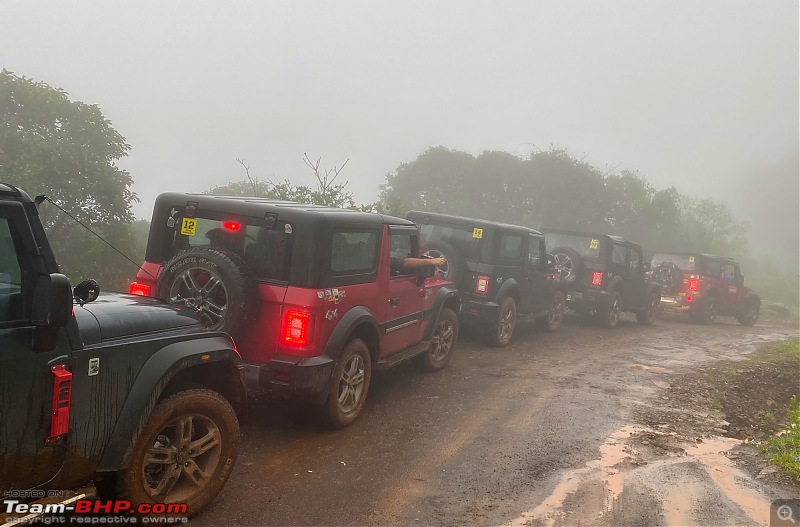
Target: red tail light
[62, 396]
[296, 328]
[597, 278]
[140, 289]
[482, 285]
[693, 285]
[232, 225]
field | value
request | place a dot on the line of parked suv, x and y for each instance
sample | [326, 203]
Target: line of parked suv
[146, 395]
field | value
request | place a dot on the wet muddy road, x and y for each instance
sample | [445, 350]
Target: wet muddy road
[542, 432]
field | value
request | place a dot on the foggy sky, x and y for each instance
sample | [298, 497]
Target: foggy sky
[699, 95]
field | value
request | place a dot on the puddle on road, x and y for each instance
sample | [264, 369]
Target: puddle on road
[678, 501]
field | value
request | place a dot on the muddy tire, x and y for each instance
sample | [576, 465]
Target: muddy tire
[706, 312]
[750, 312]
[568, 264]
[215, 283]
[443, 342]
[455, 267]
[185, 453]
[608, 316]
[555, 314]
[349, 385]
[651, 310]
[499, 334]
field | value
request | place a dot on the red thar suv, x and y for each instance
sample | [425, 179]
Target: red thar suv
[308, 292]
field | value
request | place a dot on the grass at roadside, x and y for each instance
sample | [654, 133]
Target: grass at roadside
[784, 450]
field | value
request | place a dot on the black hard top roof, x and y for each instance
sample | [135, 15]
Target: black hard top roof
[286, 210]
[7, 189]
[462, 219]
[703, 255]
[613, 238]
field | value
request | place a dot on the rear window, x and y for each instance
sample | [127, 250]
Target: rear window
[681, 261]
[265, 250]
[354, 252]
[510, 247]
[465, 239]
[586, 246]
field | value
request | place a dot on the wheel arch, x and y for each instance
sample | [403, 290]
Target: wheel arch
[446, 297]
[509, 288]
[358, 322]
[195, 360]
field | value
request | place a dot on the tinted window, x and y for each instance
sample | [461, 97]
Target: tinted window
[534, 252]
[681, 261]
[586, 246]
[619, 254]
[353, 252]
[10, 276]
[266, 251]
[714, 269]
[402, 247]
[462, 238]
[727, 272]
[510, 247]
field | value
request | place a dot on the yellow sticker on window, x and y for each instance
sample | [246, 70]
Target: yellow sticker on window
[691, 259]
[189, 226]
[593, 244]
[477, 233]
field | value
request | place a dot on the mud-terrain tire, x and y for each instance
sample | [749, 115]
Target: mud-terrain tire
[650, 310]
[217, 284]
[555, 314]
[189, 445]
[608, 316]
[568, 264]
[669, 276]
[499, 333]
[455, 267]
[750, 312]
[706, 312]
[443, 342]
[348, 386]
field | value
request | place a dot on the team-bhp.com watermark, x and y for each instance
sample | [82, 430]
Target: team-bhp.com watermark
[81, 511]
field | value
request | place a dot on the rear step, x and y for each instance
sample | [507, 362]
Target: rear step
[85, 493]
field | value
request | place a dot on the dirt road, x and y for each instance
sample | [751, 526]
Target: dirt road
[548, 431]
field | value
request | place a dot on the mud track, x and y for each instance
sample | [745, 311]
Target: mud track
[548, 431]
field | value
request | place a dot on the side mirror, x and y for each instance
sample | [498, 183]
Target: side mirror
[551, 260]
[740, 279]
[52, 301]
[87, 291]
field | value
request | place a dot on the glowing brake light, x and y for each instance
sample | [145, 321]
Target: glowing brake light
[140, 289]
[296, 328]
[597, 278]
[231, 225]
[693, 285]
[482, 285]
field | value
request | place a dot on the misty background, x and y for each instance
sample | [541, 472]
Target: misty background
[699, 96]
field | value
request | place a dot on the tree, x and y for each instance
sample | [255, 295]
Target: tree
[329, 191]
[69, 151]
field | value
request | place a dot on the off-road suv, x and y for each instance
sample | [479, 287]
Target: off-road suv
[501, 270]
[705, 286]
[128, 392]
[604, 276]
[309, 293]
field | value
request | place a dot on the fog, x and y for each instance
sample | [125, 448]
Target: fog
[699, 95]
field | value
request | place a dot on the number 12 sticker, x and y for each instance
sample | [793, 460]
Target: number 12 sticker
[189, 226]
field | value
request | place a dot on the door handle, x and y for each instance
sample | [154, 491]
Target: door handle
[394, 300]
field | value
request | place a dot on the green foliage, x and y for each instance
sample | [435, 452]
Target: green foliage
[784, 450]
[69, 150]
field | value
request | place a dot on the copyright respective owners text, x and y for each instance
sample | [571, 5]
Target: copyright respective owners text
[61, 508]
[785, 512]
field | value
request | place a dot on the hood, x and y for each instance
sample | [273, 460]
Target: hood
[115, 315]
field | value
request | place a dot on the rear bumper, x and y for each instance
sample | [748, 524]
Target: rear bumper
[472, 310]
[290, 376]
[680, 301]
[587, 299]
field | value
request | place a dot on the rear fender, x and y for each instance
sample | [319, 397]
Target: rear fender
[447, 297]
[359, 318]
[150, 383]
[509, 288]
[616, 284]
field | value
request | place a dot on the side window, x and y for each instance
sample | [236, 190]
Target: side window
[510, 247]
[402, 247]
[728, 272]
[714, 269]
[353, 252]
[619, 254]
[636, 260]
[534, 251]
[10, 276]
